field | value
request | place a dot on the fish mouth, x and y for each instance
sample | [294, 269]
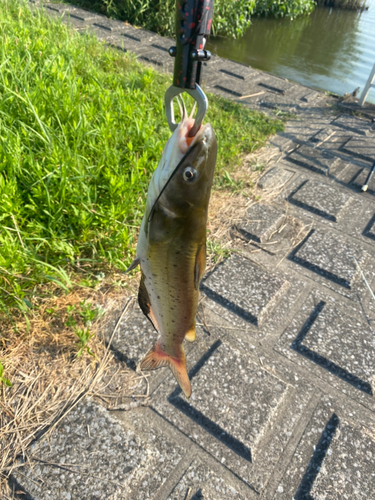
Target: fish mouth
[184, 127]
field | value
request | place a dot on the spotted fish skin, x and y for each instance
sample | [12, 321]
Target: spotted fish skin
[171, 249]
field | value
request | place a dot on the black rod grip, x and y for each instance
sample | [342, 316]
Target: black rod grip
[193, 25]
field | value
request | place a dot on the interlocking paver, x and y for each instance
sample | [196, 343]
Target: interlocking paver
[203, 484]
[260, 222]
[332, 461]
[353, 124]
[333, 339]
[245, 289]
[321, 199]
[363, 148]
[331, 256]
[92, 456]
[275, 178]
[313, 159]
[369, 230]
[232, 425]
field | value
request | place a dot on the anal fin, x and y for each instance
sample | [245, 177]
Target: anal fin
[157, 358]
[190, 335]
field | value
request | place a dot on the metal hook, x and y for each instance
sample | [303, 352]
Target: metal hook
[198, 95]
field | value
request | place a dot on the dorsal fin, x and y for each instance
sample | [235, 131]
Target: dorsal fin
[145, 303]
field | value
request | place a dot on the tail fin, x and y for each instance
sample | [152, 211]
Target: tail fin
[157, 358]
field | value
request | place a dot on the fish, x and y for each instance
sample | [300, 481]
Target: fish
[171, 247]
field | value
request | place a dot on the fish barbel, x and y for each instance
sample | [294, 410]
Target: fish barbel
[171, 249]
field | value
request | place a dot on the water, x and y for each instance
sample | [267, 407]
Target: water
[330, 50]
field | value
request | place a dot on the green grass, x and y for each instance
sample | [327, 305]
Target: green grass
[82, 128]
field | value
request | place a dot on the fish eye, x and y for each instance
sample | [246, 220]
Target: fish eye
[190, 174]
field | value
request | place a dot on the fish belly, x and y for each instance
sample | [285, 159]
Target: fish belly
[170, 284]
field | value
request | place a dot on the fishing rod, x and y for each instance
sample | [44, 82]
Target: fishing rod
[193, 26]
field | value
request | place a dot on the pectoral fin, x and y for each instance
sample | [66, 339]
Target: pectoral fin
[200, 265]
[145, 303]
[133, 265]
[157, 358]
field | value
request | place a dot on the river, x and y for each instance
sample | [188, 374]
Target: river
[331, 49]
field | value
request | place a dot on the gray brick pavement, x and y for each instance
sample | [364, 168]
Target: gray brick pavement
[283, 369]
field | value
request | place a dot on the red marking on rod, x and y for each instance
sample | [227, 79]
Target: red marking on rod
[209, 24]
[191, 26]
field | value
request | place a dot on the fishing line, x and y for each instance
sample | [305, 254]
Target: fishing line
[169, 180]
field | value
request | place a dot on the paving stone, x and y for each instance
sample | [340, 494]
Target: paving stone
[348, 467]
[363, 148]
[245, 289]
[164, 44]
[323, 135]
[141, 35]
[105, 460]
[313, 159]
[349, 173]
[333, 461]
[128, 43]
[134, 337]
[331, 139]
[282, 142]
[333, 339]
[231, 425]
[204, 484]
[234, 87]
[156, 56]
[243, 414]
[301, 131]
[223, 322]
[237, 70]
[229, 445]
[278, 85]
[310, 97]
[353, 124]
[261, 221]
[58, 7]
[321, 199]
[275, 178]
[111, 25]
[165, 458]
[74, 12]
[76, 24]
[369, 230]
[330, 255]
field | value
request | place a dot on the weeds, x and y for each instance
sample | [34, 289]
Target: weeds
[84, 336]
[3, 379]
[86, 313]
[216, 251]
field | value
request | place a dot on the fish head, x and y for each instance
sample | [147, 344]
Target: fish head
[184, 180]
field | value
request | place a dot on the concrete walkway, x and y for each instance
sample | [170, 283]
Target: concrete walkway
[282, 372]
